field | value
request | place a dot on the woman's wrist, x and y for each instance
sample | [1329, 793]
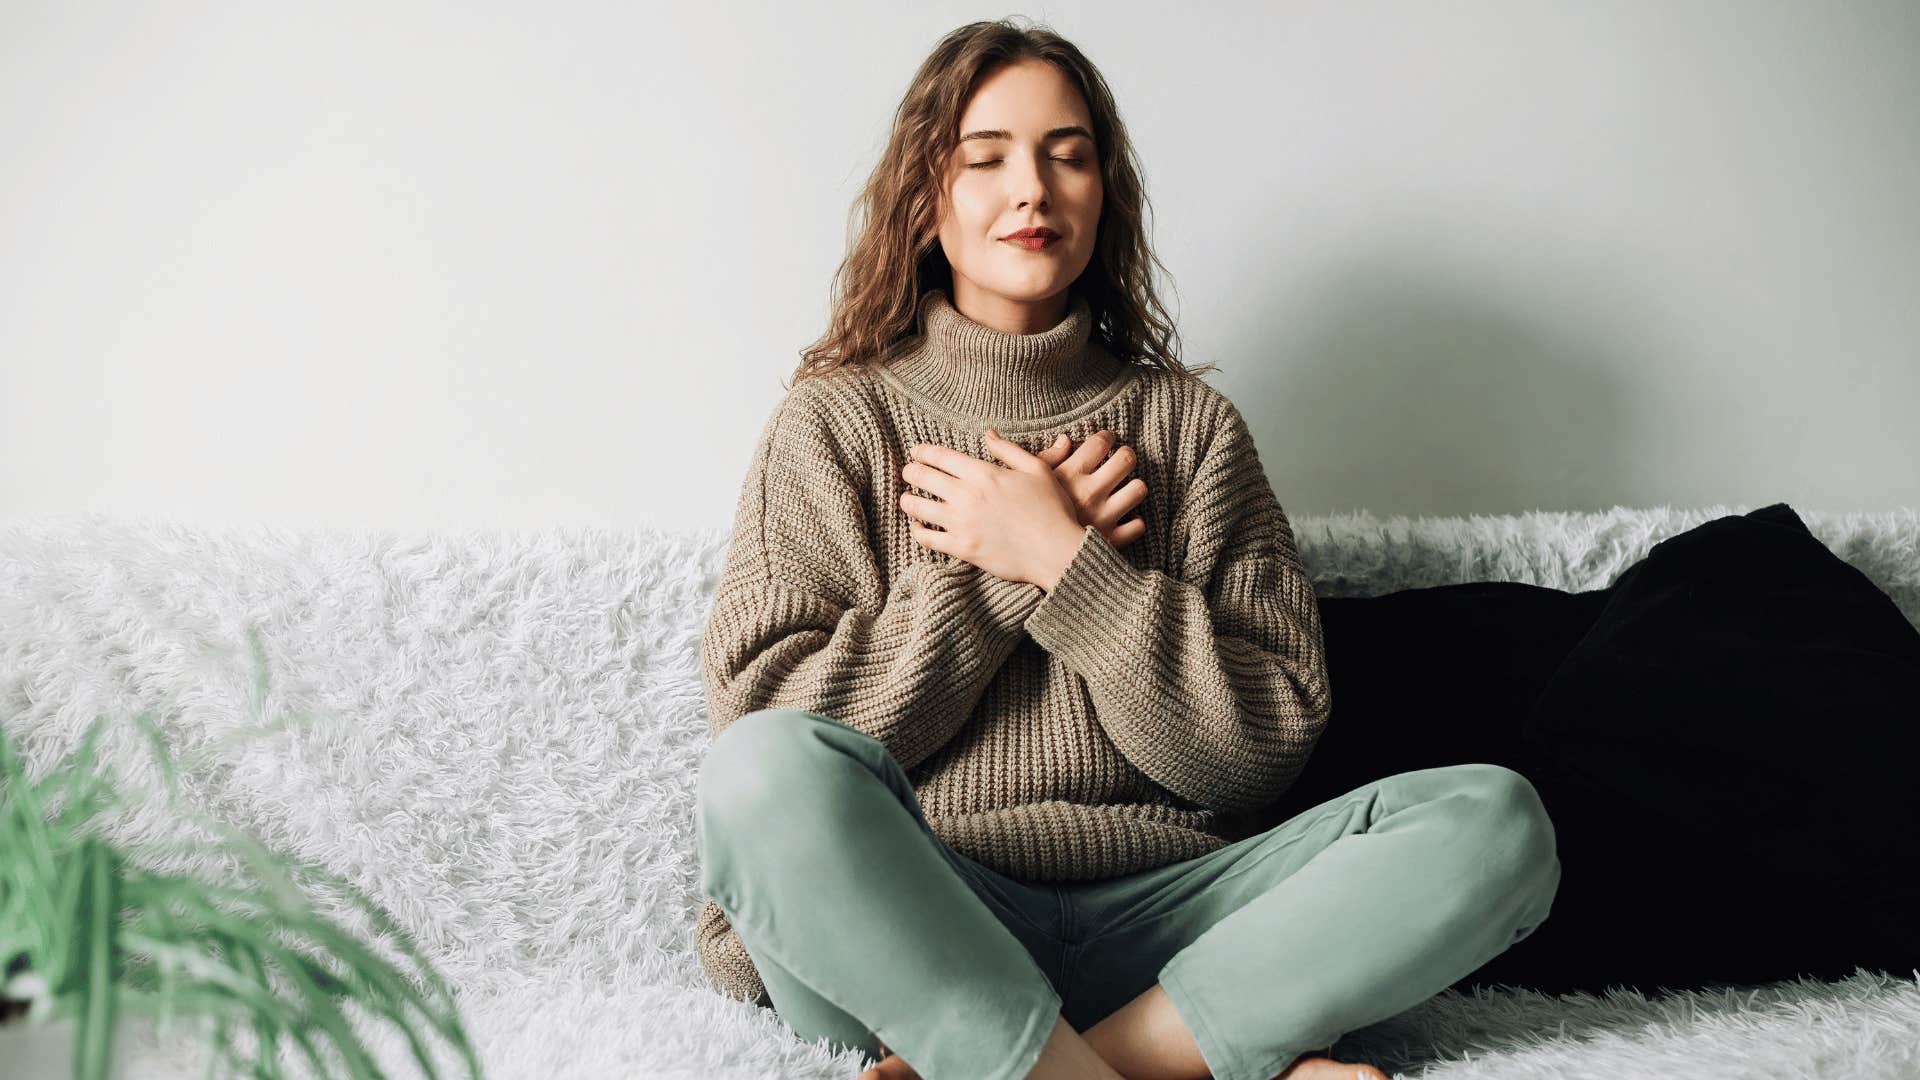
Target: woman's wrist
[1060, 555]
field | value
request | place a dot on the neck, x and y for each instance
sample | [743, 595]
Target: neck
[985, 374]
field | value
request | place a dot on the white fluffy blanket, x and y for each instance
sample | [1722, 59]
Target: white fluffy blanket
[502, 733]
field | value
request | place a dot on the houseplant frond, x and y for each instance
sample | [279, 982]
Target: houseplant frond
[90, 931]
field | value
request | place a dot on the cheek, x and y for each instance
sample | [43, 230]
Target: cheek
[975, 191]
[974, 213]
[1087, 205]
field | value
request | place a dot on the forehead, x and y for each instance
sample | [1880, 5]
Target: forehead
[1027, 100]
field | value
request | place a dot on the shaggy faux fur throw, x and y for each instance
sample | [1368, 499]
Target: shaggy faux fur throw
[497, 736]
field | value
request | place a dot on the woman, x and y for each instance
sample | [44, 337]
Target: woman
[977, 770]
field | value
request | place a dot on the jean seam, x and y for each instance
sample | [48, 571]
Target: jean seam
[972, 873]
[1239, 870]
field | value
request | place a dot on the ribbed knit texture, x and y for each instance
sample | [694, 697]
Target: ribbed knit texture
[1115, 724]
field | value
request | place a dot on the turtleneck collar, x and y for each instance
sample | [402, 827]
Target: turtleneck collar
[974, 372]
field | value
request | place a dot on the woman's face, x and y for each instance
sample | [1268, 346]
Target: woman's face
[1014, 169]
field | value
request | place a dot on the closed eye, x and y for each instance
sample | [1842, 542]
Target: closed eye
[1075, 162]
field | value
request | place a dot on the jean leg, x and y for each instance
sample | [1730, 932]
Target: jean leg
[1341, 916]
[811, 1016]
[816, 848]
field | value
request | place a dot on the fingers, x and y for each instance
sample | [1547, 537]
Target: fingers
[1012, 454]
[1100, 450]
[1092, 451]
[929, 479]
[932, 539]
[1126, 532]
[1056, 452]
[951, 461]
[1119, 465]
[1121, 503]
[927, 511]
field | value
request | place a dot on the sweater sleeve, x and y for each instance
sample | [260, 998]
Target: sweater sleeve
[803, 618]
[1213, 683]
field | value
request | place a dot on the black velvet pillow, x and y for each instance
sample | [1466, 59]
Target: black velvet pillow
[1745, 680]
[1729, 757]
[1726, 739]
[1431, 676]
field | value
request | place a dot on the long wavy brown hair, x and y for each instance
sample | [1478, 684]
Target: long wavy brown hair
[894, 256]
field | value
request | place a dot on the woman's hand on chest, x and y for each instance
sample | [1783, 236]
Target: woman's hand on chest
[1021, 518]
[1091, 475]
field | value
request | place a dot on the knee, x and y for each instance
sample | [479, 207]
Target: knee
[753, 759]
[1517, 845]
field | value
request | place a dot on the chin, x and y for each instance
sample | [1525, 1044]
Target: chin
[1030, 292]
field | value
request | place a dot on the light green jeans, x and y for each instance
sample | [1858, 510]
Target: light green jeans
[867, 928]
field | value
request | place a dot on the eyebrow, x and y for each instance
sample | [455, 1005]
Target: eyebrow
[1056, 133]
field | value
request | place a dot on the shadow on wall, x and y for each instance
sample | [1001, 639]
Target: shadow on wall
[1402, 391]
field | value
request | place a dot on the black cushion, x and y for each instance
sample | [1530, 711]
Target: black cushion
[1747, 679]
[1728, 755]
[1432, 676]
[1726, 738]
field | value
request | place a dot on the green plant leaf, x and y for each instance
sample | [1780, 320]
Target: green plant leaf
[93, 1048]
[107, 938]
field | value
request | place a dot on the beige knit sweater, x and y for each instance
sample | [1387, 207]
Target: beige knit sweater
[1123, 721]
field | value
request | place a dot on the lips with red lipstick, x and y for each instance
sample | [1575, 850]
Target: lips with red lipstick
[1037, 238]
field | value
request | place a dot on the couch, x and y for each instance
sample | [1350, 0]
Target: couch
[497, 734]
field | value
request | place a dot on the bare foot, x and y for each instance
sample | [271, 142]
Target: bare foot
[891, 1067]
[1304, 1067]
[1313, 1067]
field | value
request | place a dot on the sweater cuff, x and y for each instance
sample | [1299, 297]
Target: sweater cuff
[1095, 599]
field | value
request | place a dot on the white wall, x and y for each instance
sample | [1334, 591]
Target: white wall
[443, 265]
